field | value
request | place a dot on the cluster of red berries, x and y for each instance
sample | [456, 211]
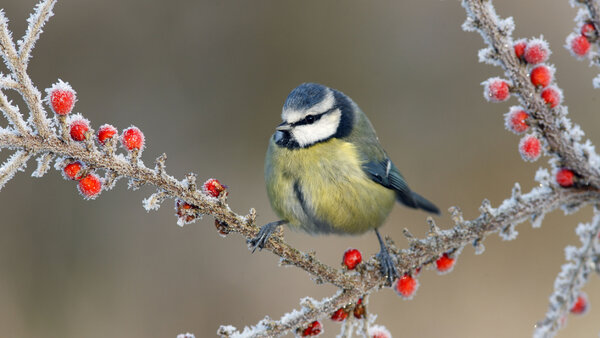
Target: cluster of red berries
[61, 98]
[358, 310]
[579, 43]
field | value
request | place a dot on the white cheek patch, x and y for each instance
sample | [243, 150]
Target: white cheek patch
[322, 129]
[293, 116]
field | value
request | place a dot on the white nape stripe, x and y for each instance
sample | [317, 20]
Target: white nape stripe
[322, 129]
[293, 116]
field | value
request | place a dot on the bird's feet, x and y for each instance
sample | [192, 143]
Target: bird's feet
[263, 235]
[388, 268]
[387, 264]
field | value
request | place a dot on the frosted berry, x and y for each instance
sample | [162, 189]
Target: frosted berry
[212, 187]
[496, 90]
[581, 304]
[77, 129]
[90, 186]
[132, 139]
[579, 45]
[530, 148]
[541, 76]
[313, 329]
[378, 331]
[61, 98]
[352, 258]
[537, 51]
[186, 212]
[340, 315]
[71, 170]
[406, 286]
[360, 310]
[105, 132]
[519, 47]
[516, 120]
[445, 263]
[588, 30]
[565, 178]
[552, 96]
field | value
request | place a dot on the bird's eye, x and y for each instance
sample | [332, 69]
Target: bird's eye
[310, 119]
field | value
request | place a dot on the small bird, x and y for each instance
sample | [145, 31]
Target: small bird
[326, 172]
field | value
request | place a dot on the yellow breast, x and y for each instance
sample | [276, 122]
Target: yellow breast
[323, 189]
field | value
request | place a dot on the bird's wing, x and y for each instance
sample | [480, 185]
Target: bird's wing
[387, 174]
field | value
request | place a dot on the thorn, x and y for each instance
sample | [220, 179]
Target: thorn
[456, 215]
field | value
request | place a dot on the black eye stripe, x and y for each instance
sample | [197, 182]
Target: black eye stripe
[310, 119]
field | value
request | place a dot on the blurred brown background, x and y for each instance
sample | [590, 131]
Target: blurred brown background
[205, 81]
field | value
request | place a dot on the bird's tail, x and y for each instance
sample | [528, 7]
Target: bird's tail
[424, 204]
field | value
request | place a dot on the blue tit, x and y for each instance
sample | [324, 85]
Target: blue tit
[326, 172]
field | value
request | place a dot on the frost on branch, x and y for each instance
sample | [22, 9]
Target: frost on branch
[572, 277]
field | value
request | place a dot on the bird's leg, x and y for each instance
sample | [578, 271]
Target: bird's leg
[263, 235]
[388, 268]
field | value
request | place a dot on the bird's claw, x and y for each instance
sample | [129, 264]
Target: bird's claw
[263, 236]
[387, 266]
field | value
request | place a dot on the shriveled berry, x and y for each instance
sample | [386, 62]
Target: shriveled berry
[213, 187]
[339, 315]
[352, 258]
[90, 186]
[72, 170]
[565, 177]
[359, 309]
[313, 329]
[105, 132]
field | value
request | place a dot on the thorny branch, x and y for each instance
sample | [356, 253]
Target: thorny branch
[38, 137]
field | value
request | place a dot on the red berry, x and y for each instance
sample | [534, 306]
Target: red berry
[496, 90]
[61, 98]
[565, 178]
[90, 186]
[445, 263]
[581, 305]
[77, 129]
[72, 170]
[212, 187]
[352, 258]
[578, 44]
[406, 286]
[541, 76]
[516, 120]
[105, 132]
[537, 51]
[519, 47]
[132, 139]
[340, 315]
[552, 96]
[378, 331]
[313, 329]
[588, 30]
[530, 148]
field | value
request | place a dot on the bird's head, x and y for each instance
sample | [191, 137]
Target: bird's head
[314, 113]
